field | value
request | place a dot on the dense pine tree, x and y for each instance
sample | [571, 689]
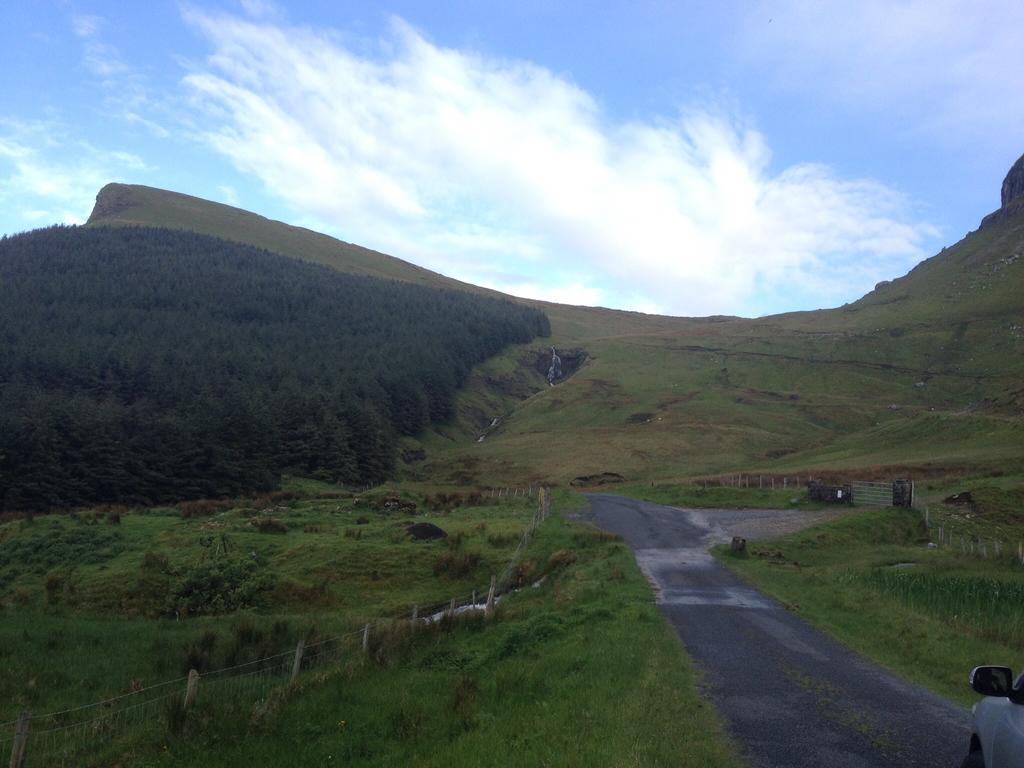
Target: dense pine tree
[147, 365]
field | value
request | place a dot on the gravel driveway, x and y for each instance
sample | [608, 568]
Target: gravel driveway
[791, 696]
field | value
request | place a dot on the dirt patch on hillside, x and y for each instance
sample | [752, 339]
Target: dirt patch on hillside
[761, 524]
[602, 478]
[572, 361]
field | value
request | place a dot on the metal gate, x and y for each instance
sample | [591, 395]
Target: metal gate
[872, 494]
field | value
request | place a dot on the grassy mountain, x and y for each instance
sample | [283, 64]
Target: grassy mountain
[132, 204]
[923, 374]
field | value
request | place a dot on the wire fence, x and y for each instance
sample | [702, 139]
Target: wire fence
[762, 482]
[67, 738]
[510, 492]
[986, 547]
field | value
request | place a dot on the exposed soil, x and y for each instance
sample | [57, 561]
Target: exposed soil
[604, 478]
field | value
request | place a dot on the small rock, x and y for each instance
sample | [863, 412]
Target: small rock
[425, 532]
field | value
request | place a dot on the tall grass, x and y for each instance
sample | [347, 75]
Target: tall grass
[987, 607]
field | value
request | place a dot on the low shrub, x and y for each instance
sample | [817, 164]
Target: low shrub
[221, 586]
[444, 502]
[48, 547]
[561, 559]
[203, 507]
[524, 573]
[503, 539]
[198, 653]
[153, 562]
[456, 565]
[60, 588]
[269, 525]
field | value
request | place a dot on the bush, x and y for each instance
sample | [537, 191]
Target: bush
[153, 562]
[561, 559]
[199, 653]
[443, 502]
[456, 565]
[203, 507]
[60, 588]
[524, 573]
[221, 586]
[502, 539]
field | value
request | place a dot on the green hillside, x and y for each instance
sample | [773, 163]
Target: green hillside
[924, 374]
[121, 204]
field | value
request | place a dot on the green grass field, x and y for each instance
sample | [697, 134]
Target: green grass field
[73, 583]
[580, 669]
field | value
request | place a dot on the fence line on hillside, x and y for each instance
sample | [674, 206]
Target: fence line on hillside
[64, 737]
[761, 482]
[510, 492]
[979, 546]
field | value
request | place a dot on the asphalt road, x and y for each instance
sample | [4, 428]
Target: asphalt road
[790, 696]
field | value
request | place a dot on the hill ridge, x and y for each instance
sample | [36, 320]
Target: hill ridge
[923, 369]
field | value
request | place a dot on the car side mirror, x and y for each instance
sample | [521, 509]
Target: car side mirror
[992, 681]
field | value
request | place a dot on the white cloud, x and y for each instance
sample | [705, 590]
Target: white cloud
[480, 167]
[950, 68]
[100, 58]
[85, 25]
[46, 178]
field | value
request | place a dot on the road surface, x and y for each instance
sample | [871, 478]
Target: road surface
[790, 696]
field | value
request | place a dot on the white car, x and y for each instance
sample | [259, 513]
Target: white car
[997, 739]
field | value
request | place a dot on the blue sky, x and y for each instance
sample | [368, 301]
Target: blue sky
[683, 158]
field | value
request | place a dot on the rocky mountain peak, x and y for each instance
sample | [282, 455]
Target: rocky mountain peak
[1013, 184]
[1011, 196]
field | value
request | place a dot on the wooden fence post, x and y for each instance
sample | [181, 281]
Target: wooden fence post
[451, 609]
[474, 598]
[489, 609]
[190, 688]
[415, 611]
[366, 638]
[297, 664]
[19, 748]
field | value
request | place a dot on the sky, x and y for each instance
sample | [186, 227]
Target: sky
[684, 158]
